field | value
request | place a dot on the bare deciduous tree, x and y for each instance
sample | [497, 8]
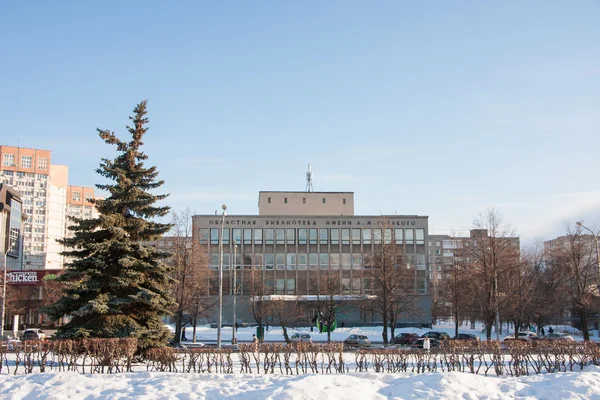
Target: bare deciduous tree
[190, 273]
[491, 251]
[575, 256]
[328, 288]
[260, 305]
[393, 285]
[285, 312]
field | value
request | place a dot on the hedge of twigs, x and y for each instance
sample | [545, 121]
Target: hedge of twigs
[119, 355]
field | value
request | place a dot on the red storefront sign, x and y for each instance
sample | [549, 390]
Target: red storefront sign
[28, 277]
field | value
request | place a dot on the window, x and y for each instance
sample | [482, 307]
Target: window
[420, 235]
[76, 196]
[345, 236]
[214, 261]
[258, 236]
[323, 236]
[269, 200]
[203, 236]
[42, 163]
[226, 260]
[302, 261]
[356, 236]
[290, 286]
[324, 260]
[247, 235]
[344, 201]
[280, 232]
[258, 260]
[26, 161]
[377, 236]
[237, 236]
[366, 235]
[409, 235]
[357, 259]
[335, 236]
[399, 237]
[323, 200]
[312, 235]
[269, 236]
[9, 160]
[388, 236]
[346, 260]
[280, 260]
[214, 235]
[302, 236]
[304, 200]
[280, 286]
[269, 261]
[437, 244]
[313, 260]
[334, 259]
[226, 236]
[291, 236]
[285, 200]
[290, 261]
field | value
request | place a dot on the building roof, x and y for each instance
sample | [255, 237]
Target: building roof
[301, 191]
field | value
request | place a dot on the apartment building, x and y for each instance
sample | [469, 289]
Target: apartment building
[298, 237]
[79, 205]
[43, 189]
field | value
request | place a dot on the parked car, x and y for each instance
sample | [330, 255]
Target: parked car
[558, 336]
[406, 338]
[34, 334]
[525, 336]
[418, 344]
[436, 335]
[466, 336]
[357, 340]
[300, 337]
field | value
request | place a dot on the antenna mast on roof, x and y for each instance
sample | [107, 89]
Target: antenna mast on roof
[309, 187]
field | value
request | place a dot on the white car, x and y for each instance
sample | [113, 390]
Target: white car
[300, 337]
[558, 336]
[527, 336]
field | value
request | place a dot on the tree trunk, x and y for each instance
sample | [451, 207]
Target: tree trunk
[194, 321]
[328, 336]
[384, 333]
[456, 322]
[393, 332]
[285, 334]
[584, 323]
[488, 330]
[178, 318]
[517, 324]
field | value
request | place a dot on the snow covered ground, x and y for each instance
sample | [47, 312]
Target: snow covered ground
[454, 385]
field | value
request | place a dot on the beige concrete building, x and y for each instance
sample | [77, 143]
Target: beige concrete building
[79, 205]
[298, 237]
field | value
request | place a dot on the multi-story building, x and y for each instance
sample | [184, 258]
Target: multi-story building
[43, 188]
[298, 237]
[79, 205]
[446, 252]
[11, 227]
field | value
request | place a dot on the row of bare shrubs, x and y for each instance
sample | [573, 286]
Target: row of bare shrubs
[82, 355]
[119, 355]
[515, 358]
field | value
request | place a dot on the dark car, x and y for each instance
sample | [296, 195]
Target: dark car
[436, 335]
[34, 334]
[418, 344]
[406, 338]
[466, 336]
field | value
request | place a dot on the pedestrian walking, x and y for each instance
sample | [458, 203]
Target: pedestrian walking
[426, 344]
[542, 331]
[550, 330]
[255, 342]
[183, 334]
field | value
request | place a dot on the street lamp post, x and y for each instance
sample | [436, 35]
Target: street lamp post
[220, 318]
[233, 339]
[4, 292]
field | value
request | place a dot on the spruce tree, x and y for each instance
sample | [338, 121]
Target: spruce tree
[116, 284]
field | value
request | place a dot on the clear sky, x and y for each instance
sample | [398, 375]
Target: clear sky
[439, 108]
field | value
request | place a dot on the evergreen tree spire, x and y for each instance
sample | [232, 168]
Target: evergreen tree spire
[116, 285]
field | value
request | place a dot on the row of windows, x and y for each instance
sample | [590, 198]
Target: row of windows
[292, 260]
[285, 200]
[315, 236]
[26, 161]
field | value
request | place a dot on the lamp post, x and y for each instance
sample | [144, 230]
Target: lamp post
[4, 291]
[220, 318]
[233, 339]
[595, 235]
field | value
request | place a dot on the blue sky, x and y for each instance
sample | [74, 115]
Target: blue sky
[439, 108]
